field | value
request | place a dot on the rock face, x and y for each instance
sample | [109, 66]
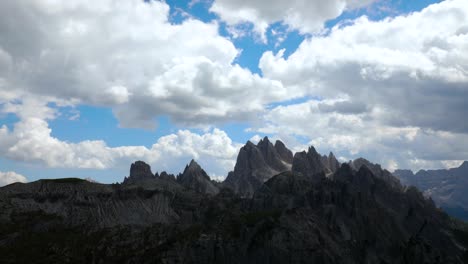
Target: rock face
[309, 164]
[330, 163]
[139, 171]
[448, 188]
[284, 153]
[256, 164]
[377, 171]
[195, 178]
[168, 177]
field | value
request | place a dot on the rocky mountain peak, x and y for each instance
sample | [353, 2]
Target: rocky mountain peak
[378, 172]
[256, 164]
[193, 166]
[464, 165]
[330, 163]
[195, 178]
[285, 154]
[165, 176]
[309, 164]
[264, 142]
[139, 171]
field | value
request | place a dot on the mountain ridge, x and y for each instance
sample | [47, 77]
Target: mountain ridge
[446, 186]
[303, 214]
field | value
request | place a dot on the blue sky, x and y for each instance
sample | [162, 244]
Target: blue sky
[102, 86]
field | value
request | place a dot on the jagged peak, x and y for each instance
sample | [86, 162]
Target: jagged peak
[464, 164]
[312, 150]
[193, 163]
[248, 144]
[192, 166]
[345, 167]
[265, 140]
[139, 168]
[279, 143]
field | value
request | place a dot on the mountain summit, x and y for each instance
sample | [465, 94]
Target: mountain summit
[195, 178]
[139, 171]
[256, 164]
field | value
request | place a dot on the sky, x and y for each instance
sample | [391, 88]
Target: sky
[88, 87]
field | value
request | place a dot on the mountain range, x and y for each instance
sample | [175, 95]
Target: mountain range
[274, 207]
[448, 187]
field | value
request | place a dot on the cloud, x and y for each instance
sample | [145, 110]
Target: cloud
[343, 107]
[305, 16]
[413, 69]
[31, 140]
[351, 136]
[126, 55]
[392, 90]
[11, 177]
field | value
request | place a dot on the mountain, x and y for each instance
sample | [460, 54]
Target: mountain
[349, 217]
[377, 171]
[309, 164]
[448, 187]
[139, 171]
[330, 163]
[195, 178]
[299, 211]
[256, 164]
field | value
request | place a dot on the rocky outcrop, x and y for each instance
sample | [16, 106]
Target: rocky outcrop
[330, 163]
[195, 178]
[256, 164]
[377, 171]
[447, 187]
[309, 164]
[405, 176]
[168, 177]
[284, 153]
[139, 171]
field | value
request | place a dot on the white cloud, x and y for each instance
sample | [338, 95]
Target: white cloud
[392, 90]
[413, 69]
[11, 177]
[362, 135]
[30, 140]
[304, 15]
[128, 56]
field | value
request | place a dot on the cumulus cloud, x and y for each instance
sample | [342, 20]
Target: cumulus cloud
[393, 90]
[305, 16]
[413, 68]
[128, 56]
[30, 140]
[386, 88]
[11, 177]
[353, 136]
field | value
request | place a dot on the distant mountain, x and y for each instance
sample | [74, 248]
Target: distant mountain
[139, 171]
[448, 188]
[256, 164]
[330, 163]
[309, 164]
[377, 171]
[195, 178]
[274, 208]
